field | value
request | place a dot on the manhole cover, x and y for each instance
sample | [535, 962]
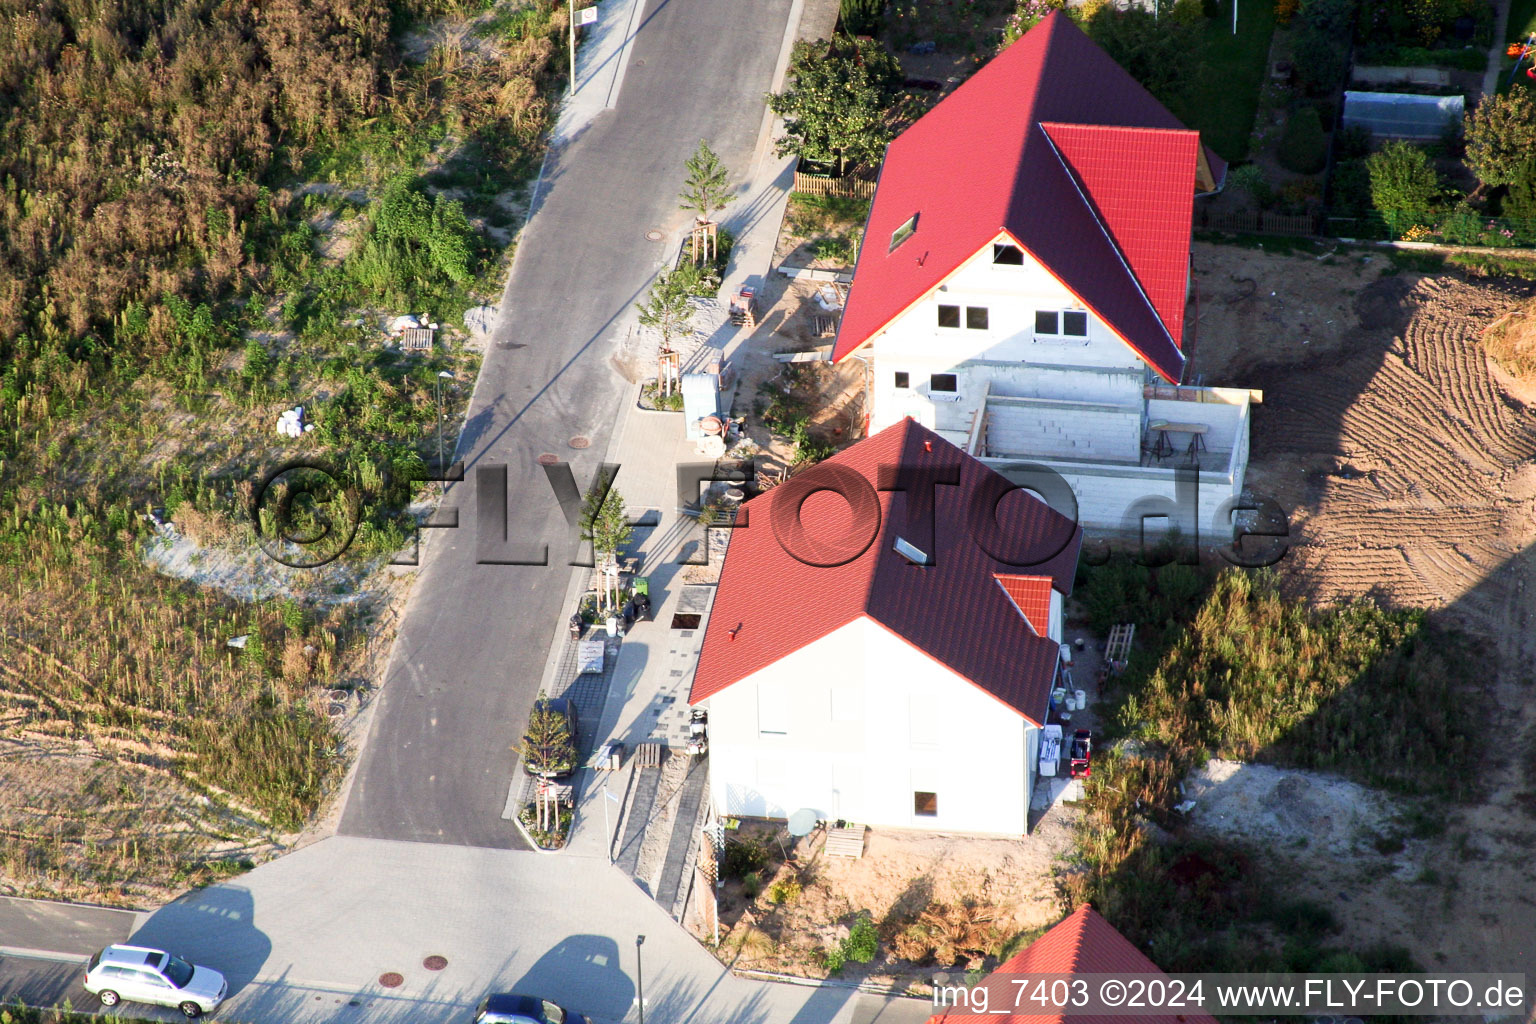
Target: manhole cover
[654, 236]
[435, 963]
[580, 442]
[547, 459]
[341, 695]
[391, 980]
[336, 710]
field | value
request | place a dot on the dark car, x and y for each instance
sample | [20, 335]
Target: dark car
[511, 1008]
[542, 756]
[1082, 754]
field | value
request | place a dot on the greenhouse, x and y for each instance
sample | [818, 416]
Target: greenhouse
[1397, 115]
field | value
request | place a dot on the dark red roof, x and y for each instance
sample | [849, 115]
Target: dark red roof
[906, 482]
[1055, 144]
[1084, 943]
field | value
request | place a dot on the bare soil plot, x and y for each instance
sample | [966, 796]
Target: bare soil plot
[1405, 462]
[1008, 884]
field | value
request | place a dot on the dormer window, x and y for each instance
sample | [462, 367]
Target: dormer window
[1005, 254]
[901, 234]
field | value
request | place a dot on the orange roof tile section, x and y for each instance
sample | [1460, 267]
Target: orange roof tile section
[1084, 943]
[804, 561]
[1032, 596]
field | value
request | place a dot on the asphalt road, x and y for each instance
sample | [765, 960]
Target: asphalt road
[471, 649]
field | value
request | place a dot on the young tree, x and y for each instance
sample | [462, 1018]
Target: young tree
[1501, 136]
[836, 111]
[666, 308]
[605, 523]
[707, 188]
[548, 746]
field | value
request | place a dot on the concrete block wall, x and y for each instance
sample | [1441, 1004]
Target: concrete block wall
[1017, 381]
[1106, 497]
[1059, 431]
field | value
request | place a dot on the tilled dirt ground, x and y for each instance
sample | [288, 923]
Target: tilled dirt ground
[1405, 460]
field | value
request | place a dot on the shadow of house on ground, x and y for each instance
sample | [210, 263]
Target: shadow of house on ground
[214, 927]
[583, 973]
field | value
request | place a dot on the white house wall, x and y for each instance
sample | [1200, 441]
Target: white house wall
[1008, 353]
[872, 720]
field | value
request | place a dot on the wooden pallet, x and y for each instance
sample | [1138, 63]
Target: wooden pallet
[651, 754]
[846, 842]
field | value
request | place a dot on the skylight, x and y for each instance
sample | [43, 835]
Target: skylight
[911, 552]
[906, 231]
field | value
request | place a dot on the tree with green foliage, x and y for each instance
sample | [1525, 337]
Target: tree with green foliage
[860, 17]
[1501, 136]
[1304, 146]
[548, 747]
[604, 522]
[1165, 54]
[837, 107]
[1403, 182]
[707, 188]
[666, 308]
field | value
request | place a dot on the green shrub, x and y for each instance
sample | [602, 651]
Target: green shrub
[861, 17]
[862, 942]
[751, 884]
[1303, 147]
[1319, 60]
[1402, 180]
[744, 856]
[1249, 179]
[785, 890]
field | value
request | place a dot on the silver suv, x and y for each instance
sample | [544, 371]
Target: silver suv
[142, 975]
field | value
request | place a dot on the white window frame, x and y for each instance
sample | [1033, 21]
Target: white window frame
[1061, 325]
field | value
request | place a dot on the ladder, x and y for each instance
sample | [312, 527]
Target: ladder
[1118, 651]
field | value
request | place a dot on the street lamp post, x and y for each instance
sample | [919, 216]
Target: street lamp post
[640, 977]
[438, 389]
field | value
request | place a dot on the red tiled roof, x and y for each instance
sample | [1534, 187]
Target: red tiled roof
[1032, 596]
[909, 483]
[1084, 943]
[1055, 144]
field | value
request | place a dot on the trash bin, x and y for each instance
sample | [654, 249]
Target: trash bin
[642, 585]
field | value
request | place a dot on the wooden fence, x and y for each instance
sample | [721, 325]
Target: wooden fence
[1258, 222]
[848, 187]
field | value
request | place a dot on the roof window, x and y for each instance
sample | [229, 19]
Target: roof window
[911, 552]
[901, 234]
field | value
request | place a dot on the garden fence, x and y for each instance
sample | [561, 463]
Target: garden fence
[1257, 222]
[850, 186]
